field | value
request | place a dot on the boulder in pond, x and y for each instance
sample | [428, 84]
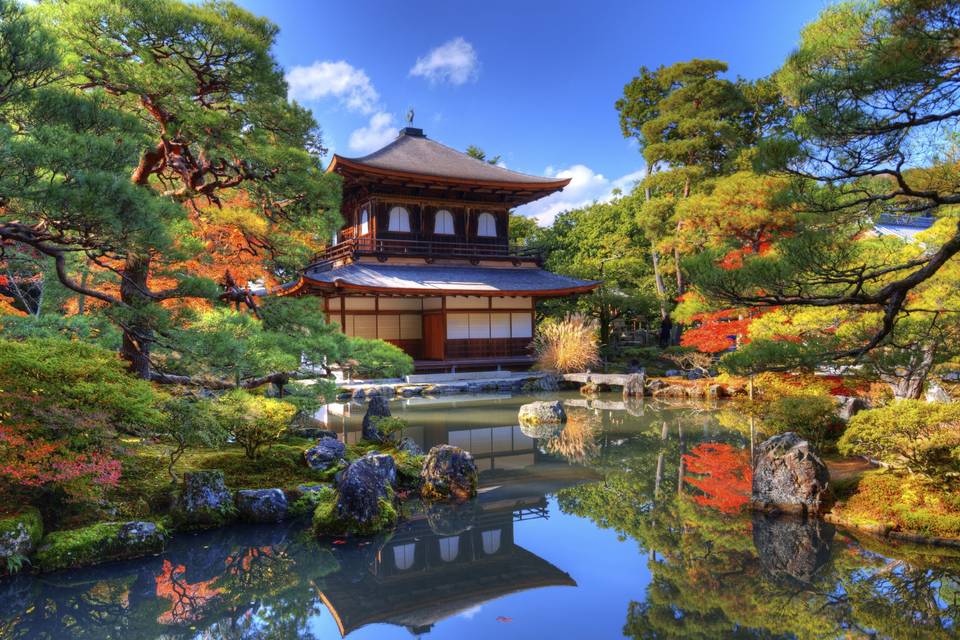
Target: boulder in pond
[541, 431]
[791, 549]
[328, 452]
[203, 501]
[788, 475]
[378, 407]
[262, 505]
[448, 473]
[20, 534]
[409, 445]
[362, 503]
[635, 385]
[97, 543]
[543, 412]
[386, 466]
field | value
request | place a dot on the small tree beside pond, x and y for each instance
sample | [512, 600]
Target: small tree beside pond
[189, 423]
[253, 422]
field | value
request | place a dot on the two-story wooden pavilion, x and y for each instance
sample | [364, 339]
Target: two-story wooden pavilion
[424, 259]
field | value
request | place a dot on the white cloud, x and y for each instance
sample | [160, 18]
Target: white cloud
[379, 132]
[454, 62]
[586, 186]
[341, 80]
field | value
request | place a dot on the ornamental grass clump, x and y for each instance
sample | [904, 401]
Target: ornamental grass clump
[567, 345]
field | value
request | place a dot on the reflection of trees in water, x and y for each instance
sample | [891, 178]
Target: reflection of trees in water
[715, 575]
[577, 443]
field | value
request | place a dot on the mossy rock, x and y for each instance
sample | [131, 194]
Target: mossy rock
[542, 413]
[203, 501]
[307, 503]
[97, 543]
[19, 536]
[327, 520]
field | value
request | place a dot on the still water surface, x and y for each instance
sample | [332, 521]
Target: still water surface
[628, 523]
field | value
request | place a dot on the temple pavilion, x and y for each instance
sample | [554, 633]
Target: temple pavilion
[424, 260]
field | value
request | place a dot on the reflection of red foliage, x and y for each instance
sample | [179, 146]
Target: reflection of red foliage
[188, 599]
[726, 472]
[720, 330]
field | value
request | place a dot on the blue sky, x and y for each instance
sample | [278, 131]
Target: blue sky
[532, 81]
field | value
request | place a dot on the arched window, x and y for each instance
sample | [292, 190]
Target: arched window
[404, 555]
[449, 548]
[491, 541]
[399, 219]
[364, 222]
[486, 225]
[443, 223]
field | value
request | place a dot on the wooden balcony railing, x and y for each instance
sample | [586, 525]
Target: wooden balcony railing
[430, 249]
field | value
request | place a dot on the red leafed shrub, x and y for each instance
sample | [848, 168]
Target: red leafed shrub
[28, 461]
[720, 330]
[725, 476]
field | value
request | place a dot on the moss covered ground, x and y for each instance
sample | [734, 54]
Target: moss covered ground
[898, 501]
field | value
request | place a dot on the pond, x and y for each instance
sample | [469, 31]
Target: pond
[628, 523]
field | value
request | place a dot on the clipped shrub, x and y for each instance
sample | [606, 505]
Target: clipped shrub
[811, 416]
[922, 437]
[253, 422]
[567, 345]
[378, 359]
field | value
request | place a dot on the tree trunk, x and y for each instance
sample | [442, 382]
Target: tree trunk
[137, 334]
[910, 386]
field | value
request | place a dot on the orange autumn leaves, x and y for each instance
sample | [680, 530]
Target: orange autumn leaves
[723, 475]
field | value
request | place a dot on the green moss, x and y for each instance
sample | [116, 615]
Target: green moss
[306, 504]
[408, 468]
[92, 545]
[327, 522]
[902, 502]
[19, 535]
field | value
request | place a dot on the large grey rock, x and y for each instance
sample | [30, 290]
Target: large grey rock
[791, 550]
[262, 505]
[448, 473]
[363, 504]
[541, 431]
[788, 475]
[203, 500]
[635, 385]
[410, 446]
[850, 407]
[378, 407]
[386, 467]
[328, 452]
[140, 532]
[544, 412]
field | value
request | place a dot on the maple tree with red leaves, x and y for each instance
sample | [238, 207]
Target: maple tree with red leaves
[725, 476]
[718, 331]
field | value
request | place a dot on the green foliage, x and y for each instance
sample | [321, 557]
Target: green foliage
[373, 358]
[389, 425]
[253, 421]
[923, 437]
[72, 380]
[93, 545]
[307, 503]
[328, 522]
[189, 422]
[812, 416]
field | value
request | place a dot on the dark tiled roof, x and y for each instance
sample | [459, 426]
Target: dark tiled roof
[439, 278]
[418, 154]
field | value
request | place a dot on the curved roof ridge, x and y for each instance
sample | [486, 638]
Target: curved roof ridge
[418, 154]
